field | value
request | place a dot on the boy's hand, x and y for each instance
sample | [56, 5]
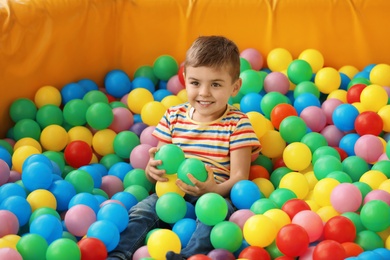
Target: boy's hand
[152, 173]
[199, 187]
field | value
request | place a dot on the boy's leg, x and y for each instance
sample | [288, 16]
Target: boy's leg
[142, 219]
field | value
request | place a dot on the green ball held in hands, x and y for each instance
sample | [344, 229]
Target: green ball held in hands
[171, 157]
[194, 166]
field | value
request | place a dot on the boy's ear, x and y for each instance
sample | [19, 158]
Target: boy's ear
[236, 86]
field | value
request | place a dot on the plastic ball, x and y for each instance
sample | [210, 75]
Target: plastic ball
[369, 147]
[37, 175]
[278, 59]
[10, 253]
[240, 216]
[294, 206]
[54, 138]
[323, 190]
[311, 222]
[344, 117]
[63, 192]
[281, 195]
[313, 57]
[165, 66]
[184, 228]
[47, 95]
[296, 182]
[152, 112]
[139, 156]
[193, 166]
[99, 115]
[251, 102]
[211, 208]
[329, 249]
[49, 115]
[384, 113]
[244, 193]
[276, 81]
[328, 106]
[123, 119]
[299, 71]
[379, 74]
[306, 87]
[41, 198]
[161, 241]
[124, 142]
[105, 231]
[94, 96]
[332, 135]
[92, 249]
[280, 112]
[340, 229]
[102, 142]
[48, 226]
[111, 185]
[10, 223]
[327, 79]
[74, 112]
[78, 153]
[258, 121]
[63, 249]
[171, 207]
[174, 85]
[32, 246]
[117, 83]
[292, 240]
[138, 191]
[171, 157]
[254, 252]
[137, 98]
[314, 117]
[375, 215]
[271, 100]
[170, 101]
[252, 82]
[81, 180]
[368, 122]
[146, 71]
[346, 197]
[78, 219]
[254, 57]
[26, 128]
[146, 136]
[72, 91]
[225, 229]
[260, 230]
[163, 187]
[292, 129]
[349, 70]
[305, 100]
[137, 177]
[143, 82]
[22, 108]
[141, 253]
[115, 213]
[374, 97]
[297, 156]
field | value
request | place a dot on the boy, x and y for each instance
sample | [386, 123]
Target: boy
[206, 127]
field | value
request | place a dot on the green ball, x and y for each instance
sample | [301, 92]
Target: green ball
[32, 246]
[299, 71]
[306, 87]
[194, 166]
[261, 205]
[324, 150]
[273, 250]
[94, 96]
[138, 191]
[359, 80]
[292, 129]
[314, 141]
[369, 240]
[22, 108]
[97, 191]
[115, 104]
[27, 128]
[137, 177]
[223, 230]
[340, 176]
[49, 115]
[383, 166]
[171, 207]
[265, 162]
[109, 160]
[270, 100]
[252, 82]
[325, 165]
[81, 180]
[7, 146]
[164, 67]
[57, 157]
[355, 167]
[281, 196]
[278, 174]
[124, 142]
[63, 249]
[43, 211]
[99, 115]
[75, 111]
[211, 208]
[375, 215]
[146, 71]
[244, 64]
[355, 218]
[171, 157]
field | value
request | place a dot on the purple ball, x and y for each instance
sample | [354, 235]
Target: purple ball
[137, 128]
[221, 254]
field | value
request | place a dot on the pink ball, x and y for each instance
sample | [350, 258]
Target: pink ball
[9, 223]
[314, 118]
[369, 147]
[254, 58]
[141, 252]
[79, 218]
[111, 184]
[377, 195]
[308, 255]
[124, 99]
[346, 197]
[14, 176]
[311, 222]
[10, 254]
[146, 136]
[4, 172]
[240, 216]
[112, 201]
[174, 85]
[123, 119]
[276, 81]
[328, 106]
[332, 135]
[383, 157]
[139, 156]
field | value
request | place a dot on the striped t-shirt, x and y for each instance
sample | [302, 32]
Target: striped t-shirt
[210, 142]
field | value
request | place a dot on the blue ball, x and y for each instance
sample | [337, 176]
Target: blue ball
[95, 174]
[127, 199]
[251, 102]
[344, 117]
[36, 176]
[115, 213]
[184, 228]
[6, 156]
[11, 189]
[345, 80]
[106, 231]
[305, 100]
[120, 169]
[190, 211]
[117, 83]
[37, 158]
[362, 74]
[384, 252]
[48, 226]
[244, 193]
[87, 199]
[100, 168]
[72, 91]
[370, 255]
[144, 82]
[88, 84]
[162, 84]
[19, 206]
[63, 191]
[347, 143]
[160, 94]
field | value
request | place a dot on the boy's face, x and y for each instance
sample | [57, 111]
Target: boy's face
[208, 91]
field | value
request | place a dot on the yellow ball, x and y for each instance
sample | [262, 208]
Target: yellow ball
[280, 217]
[47, 95]
[326, 213]
[359, 106]
[258, 121]
[28, 141]
[373, 178]
[272, 144]
[21, 154]
[137, 98]
[41, 198]
[312, 204]
[170, 101]
[323, 190]
[385, 185]
[152, 113]
[313, 57]
[161, 241]
[103, 142]
[9, 241]
[54, 138]
[266, 187]
[296, 182]
[327, 80]
[311, 179]
[278, 59]
[81, 133]
[374, 97]
[259, 230]
[349, 70]
[183, 95]
[384, 113]
[339, 94]
[94, 159]
[380, 74]
[168, 186]
[297, 156]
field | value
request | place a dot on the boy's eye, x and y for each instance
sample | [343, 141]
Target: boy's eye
[215, 85]
[195, 83]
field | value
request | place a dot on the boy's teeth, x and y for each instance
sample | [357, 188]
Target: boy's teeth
[204, 103]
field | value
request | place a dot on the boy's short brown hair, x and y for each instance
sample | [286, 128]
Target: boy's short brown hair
[215, 52]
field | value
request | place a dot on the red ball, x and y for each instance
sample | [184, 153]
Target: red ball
[368, 122]
[340, 229]
[92, 249]
[343, 154]
[78, 153]
[353, 93]
[329, 250]
[280, 112]
[180, 75]
[254, 253]
[199, 257]
[292, 240]
[293, 206]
